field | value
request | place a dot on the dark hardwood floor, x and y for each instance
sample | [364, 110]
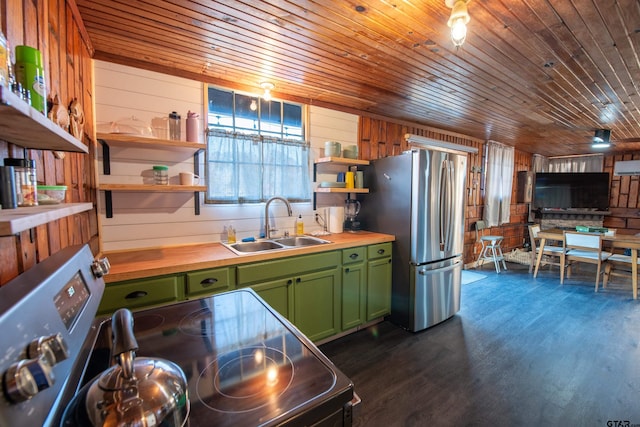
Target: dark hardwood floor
[520, 352]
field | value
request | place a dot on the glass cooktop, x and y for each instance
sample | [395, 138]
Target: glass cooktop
[244, 364]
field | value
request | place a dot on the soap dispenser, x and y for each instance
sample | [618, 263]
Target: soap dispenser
[299, 226]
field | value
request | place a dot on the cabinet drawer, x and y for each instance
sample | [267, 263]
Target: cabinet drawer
[378, 251]
[352, 255]
[141, 293]
[269, 270]
[211, 281]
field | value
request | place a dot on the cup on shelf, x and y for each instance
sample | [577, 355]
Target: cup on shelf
[189, 178]
[349, 179]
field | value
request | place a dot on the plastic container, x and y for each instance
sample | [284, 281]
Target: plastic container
[51, 194]
[174, 126]
[161, 175]
[30, 72]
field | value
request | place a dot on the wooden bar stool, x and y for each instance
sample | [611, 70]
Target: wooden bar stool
[491, 250]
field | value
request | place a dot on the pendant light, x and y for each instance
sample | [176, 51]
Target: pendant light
[267, 87]
[458, 20]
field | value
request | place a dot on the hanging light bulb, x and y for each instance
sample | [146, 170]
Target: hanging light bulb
[267, 87]
[254, 105]
[458, 21]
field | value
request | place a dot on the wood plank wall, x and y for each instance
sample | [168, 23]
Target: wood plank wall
[52, 27]
[625, 201]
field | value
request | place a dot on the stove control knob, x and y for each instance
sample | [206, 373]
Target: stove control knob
[26, 378]
[100, 267]
[53, 348]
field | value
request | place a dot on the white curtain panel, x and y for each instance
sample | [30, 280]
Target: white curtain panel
[589, 163]
[500, 164]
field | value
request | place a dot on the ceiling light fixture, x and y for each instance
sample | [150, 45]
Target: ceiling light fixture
[254, 105]
[458, 20]
[601, 138]
[267, 87]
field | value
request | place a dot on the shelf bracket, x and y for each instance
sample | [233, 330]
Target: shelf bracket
[106, 158]
[196, 201]
[108, 202]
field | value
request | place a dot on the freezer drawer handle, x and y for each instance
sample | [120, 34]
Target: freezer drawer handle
[439, 270]
[208, 281]
[136, 294]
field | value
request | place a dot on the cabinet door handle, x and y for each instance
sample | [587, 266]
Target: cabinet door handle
[136, 294]
[289, 282]
[346, 270]
[298, 280]
[353, 256]
[380, 251]
[208, 281]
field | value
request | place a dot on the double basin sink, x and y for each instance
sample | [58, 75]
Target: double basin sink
[281, 243]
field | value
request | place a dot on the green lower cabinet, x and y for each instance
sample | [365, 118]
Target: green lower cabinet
[142, 293]
[354, 291]
[209, 282]
[278, 294]
[317, 303]
[378, 287]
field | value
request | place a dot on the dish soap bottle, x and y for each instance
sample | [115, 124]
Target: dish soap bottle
[299, 226]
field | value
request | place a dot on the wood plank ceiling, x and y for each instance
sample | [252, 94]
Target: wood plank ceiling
[540, 75]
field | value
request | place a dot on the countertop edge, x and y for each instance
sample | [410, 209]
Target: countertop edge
[145, 263]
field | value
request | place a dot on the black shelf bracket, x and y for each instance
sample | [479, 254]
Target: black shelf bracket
[108, 203]
[106, 157]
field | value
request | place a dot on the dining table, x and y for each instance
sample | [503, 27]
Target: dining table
[615, 239]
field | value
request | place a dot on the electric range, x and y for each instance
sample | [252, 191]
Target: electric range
[245, 364]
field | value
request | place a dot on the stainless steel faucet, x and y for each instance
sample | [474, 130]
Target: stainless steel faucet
[267, 229]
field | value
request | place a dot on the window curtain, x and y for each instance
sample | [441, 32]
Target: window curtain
[540, 163]
[500, 165]
[590, 163]
[244, 168]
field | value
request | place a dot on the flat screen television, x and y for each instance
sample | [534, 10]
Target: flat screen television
[588, 190]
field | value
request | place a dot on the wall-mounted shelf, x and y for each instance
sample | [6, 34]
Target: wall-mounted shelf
[340, 161]
[25, 126]
[13, 221]
[152, 188]
[341, 190]
[108, 140]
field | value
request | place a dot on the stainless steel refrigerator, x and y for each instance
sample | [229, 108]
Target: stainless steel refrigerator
[419, 197]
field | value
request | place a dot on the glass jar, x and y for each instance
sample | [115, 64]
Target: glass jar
[25, 179]
[161, 175]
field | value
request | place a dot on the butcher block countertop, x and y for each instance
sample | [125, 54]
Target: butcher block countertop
[137, 264]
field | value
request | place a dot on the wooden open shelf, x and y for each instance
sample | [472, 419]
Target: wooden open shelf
[342, 161]
[152, 188]
[341, 190]
[127, 140]
[13, 221]
[23, 125]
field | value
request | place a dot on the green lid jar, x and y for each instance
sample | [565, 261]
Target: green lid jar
[161, 174]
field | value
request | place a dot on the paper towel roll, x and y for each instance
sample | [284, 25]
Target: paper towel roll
[335, 217]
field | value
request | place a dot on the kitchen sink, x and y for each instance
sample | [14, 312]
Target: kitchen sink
[259, 246]
[242, 248]
[300, 241]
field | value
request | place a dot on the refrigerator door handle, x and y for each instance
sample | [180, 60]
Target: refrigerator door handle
[446, 200]
[425, 271]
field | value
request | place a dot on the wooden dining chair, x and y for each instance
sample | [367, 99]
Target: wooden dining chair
[550, 253]
[583, 247]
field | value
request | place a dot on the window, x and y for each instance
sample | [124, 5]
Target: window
[256, 149]
[499, 179]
